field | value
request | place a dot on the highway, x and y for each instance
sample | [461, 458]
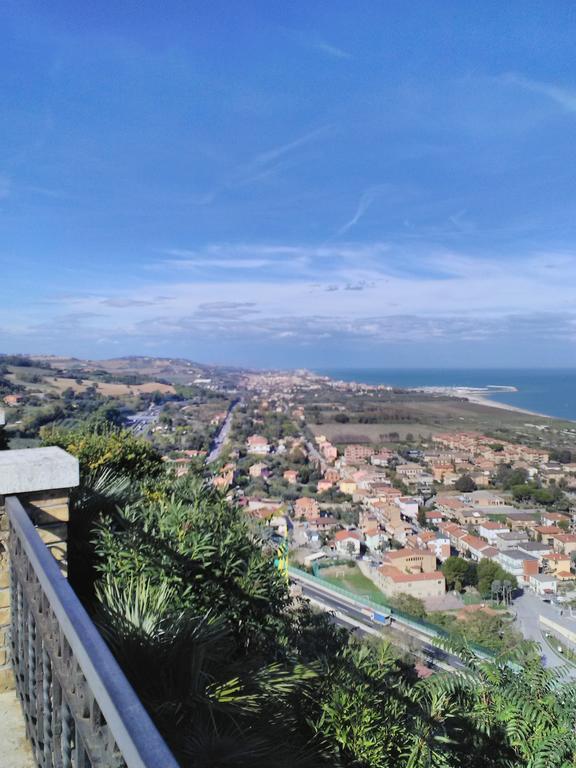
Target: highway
[141, 421]
[399, 632]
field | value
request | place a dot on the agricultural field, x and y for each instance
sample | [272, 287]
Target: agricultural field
[108, 389]
[394, 417]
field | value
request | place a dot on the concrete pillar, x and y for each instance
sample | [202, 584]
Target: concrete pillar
[42, 479]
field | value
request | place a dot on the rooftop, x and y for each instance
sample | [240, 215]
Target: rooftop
[515, 554]
[398, 576]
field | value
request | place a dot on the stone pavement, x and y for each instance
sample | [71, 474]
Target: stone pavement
[15, 749]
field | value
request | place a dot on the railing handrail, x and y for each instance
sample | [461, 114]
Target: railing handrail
[135, 734]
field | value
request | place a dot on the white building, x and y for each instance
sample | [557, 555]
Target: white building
[489, 530]
[408, 505]
[543, 584]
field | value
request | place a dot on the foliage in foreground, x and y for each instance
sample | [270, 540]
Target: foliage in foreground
[236, 673]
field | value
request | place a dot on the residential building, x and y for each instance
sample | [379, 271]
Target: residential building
[357, 454]
[374, 538]
[291, 476]
[393, 582]
[408, 506]
[434, 517]
[323, 523]
[347, 486]
[409, 472]
[543, 584]
[435, 541]
[483, 499]
[13, 399]
[518, 564]
[257, 444]
[519, 520]
[329, 451]
[411, 560]
[558, 564]
[381, 459]
[259, 470]
[546, 533]
[348, 542]
[489, 530]
[536, 548]
[254, 503]
[473, 546]
[553, 518]
[509, 539]
[565, 543]
[306, 507]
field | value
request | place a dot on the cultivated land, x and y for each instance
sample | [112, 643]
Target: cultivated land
[112, 390]
[422, 416]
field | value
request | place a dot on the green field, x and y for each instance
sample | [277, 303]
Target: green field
[354, 581]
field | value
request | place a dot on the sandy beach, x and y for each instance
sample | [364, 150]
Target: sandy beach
[485, 400]
[481, 397]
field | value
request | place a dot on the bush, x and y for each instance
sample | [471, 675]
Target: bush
[116, 450]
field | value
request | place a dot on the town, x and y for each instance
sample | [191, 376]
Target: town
[457, 513]
[443, 527]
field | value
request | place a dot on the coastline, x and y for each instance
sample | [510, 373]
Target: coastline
[472, 387]
[482, 397]
[485, 400]
[479, 396]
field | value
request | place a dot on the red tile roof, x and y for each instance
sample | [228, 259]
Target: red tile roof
[396, 575]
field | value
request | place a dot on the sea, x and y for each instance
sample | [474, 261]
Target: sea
[551, 392]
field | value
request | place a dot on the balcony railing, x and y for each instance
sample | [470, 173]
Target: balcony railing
[80, 710]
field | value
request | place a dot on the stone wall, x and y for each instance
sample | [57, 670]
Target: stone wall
[41, 478]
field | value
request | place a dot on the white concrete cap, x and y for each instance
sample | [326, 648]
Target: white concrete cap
[37, 469]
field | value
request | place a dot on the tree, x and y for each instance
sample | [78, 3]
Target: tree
[237, 673]
[409, 604]
[465, 484]
[561, 455]
[459, 573]
[422, 517]
[105, 417]
[107, 447]
[341, 418]
[488, 571]
[4, 441]
[507, 477]
[496, 589]
[350, 548]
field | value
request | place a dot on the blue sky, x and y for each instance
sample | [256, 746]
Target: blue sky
[284, 184]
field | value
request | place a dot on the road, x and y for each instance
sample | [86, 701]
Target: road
[528, 607]
[222, 435]
[141, 421]
[315, 455]
[351, 614]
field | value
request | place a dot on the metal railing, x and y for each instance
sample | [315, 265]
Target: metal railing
[80, 710]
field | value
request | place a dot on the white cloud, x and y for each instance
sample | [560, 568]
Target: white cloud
[372, 291]
[563, 96]
[332, 50]
[366, 200]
